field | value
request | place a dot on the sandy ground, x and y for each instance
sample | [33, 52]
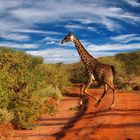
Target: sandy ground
[120, 123]
[48, 125]
[90, 123]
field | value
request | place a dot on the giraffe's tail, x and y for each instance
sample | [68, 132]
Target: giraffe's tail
[114, 74]
[113, 70]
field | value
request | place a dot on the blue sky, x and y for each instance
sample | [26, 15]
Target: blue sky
[104, 27]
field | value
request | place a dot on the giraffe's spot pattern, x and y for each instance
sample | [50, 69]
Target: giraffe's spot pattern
[101, 72]
[94, 69]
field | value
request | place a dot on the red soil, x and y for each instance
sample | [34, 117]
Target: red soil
[48, 125]
[101, 123]
[91, 123]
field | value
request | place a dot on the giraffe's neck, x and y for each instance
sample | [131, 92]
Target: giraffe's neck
[85, 56]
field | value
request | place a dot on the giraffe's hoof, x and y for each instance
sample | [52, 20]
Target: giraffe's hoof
[81, 102]
[97, 99]
[111, 107]
[97, 103]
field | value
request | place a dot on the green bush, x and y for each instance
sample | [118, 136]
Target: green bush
[56, 75]
[24, 79]
[131, 62]
[26, 108]
[127, 66]
[51, 108]
[19, 79]
[5, 116]
[51, 96]
[52, 92]
[76, 72]
[119, 65]
[120, 76]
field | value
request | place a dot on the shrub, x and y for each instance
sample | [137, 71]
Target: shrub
[24, 80]
[131, 62]
[56, 75]
[119, 65]
[77, 72]
[5, 116]
[52, 92]
[120, 76]
[127, 66]
[27, 109]
[51, 106]
[19, 79]
[51, 95]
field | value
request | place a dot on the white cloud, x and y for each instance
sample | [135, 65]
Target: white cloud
[110, 24]
[8, 25]
[14, 36]
[91, 28]
[110, 49]
[6, 4]
[126, 38]
[50, 42]
[113, 47]
[32, 13]
[29, 31]
[73, 27]
[19, 46]
[55, 55]
[134, 3]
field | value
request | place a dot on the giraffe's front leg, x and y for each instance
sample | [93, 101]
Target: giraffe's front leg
[105, 91]
[86, 87]
[98, 102]
[81, 94]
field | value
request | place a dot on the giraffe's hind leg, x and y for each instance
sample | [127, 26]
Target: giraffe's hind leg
[84, 91]
[105, 91]
[114, 93]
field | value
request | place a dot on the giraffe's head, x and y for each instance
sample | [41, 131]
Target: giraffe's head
[68, 38]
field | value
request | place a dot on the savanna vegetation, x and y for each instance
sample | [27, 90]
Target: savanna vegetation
[29, 88]
[127, 66]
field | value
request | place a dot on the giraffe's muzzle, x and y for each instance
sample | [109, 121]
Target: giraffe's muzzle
[63, 41]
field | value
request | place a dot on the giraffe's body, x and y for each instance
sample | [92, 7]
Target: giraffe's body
[94, 70]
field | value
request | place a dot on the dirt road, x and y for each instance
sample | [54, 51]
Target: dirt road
[47, 125]
[120, 123]
[91, 123]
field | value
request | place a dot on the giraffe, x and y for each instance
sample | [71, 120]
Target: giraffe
[95, 71]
